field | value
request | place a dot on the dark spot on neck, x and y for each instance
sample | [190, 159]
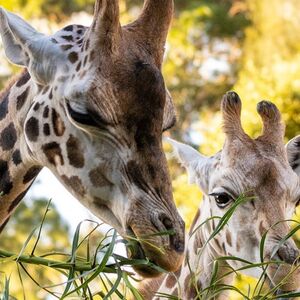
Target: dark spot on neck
[66, 47]
[58, 124]
[8, 137]
[92, 56]
[53, 153]
[85, 60]
[75, 184]
[68, 28]
[78, 67]
[32, 129]
[5, 181]
[98, 178]
[46, 112]
[16, 202]
[75, 152]
[22, 98]
[68, 38]
[16, 157]
[4, 107]
[73, 57]
[171, 281]
[36, 106]
[46, 129]
[24, 79]
[31, 174]
[87, 44]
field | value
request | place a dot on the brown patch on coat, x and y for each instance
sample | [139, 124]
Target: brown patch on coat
[171, 281]
[16, 157]
[16, 202]
[6, 184]
[149, 287]
[8, 137]
[228, 238]
[21, 99]
[32, 129]
[73, 57]
[31, 174]
[97, 178]
[20, 79]
[75, 152]
[53, 153]
[58, 124]
[189, 287]
[4, 107]
[75, 184]
[46, 129]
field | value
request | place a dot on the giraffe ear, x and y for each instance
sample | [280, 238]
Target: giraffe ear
[190, 158]
[24, 46]
[293, 153]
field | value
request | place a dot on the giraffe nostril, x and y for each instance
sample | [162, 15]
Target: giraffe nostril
[167, 223]
[288, 254]
[169, 233]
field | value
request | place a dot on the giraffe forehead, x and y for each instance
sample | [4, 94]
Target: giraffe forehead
[264, 176]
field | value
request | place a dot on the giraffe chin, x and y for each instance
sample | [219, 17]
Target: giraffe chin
[286, 276]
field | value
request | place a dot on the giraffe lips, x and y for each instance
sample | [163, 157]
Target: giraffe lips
[136, 251]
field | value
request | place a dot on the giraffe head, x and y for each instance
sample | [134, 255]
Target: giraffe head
[98, 108]
[263, 170]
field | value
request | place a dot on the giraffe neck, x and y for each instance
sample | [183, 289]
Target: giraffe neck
[17, 167]
[196, 271]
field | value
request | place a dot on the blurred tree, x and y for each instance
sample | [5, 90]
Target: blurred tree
[54, 236]
[203, 55]
[270, 67]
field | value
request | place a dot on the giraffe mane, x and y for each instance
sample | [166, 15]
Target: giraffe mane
[11, 82]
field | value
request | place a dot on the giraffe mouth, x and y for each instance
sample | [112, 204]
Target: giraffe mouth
[136, 251]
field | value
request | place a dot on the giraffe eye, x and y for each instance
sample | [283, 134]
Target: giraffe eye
[83, 118]
[222, 199]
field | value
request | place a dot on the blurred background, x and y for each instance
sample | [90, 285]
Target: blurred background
[250, 46]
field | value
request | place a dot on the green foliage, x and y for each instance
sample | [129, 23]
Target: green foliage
[55, 232]
[77, 271]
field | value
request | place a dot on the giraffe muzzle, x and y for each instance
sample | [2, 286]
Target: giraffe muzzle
[160, 240]
[286, 274]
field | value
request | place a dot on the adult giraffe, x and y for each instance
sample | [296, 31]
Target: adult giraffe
[92, 108]
[265, 171]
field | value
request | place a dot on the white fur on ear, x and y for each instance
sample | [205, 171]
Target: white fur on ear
[16, 34]
[190, 158]
[24, 46]
[293, 153]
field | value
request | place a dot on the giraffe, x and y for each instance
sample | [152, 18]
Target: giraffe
[91, 105]
[267, 173]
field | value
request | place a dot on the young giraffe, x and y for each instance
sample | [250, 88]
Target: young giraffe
[92, 108]
[263, 170]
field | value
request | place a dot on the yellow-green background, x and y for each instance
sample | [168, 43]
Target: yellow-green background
[259, 43]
